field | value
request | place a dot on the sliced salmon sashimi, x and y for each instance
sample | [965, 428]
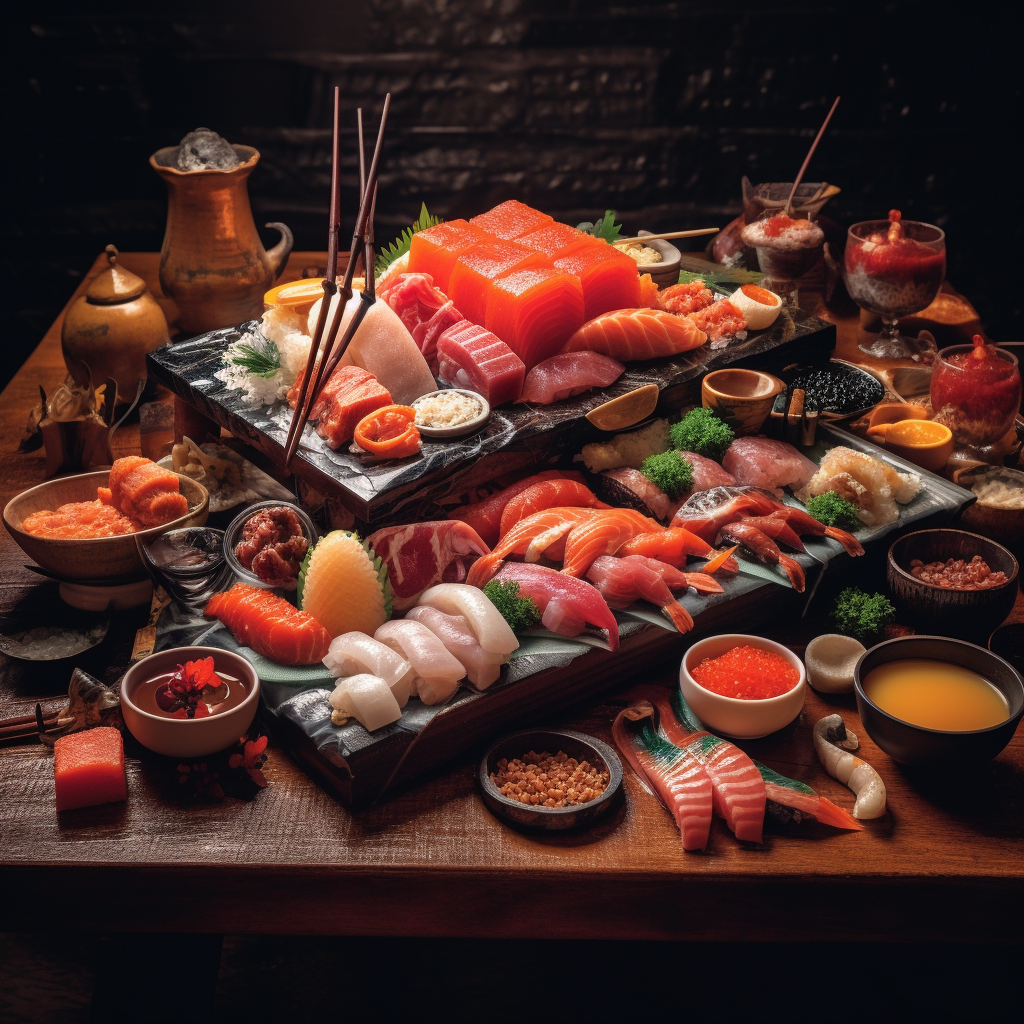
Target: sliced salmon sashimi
[630, 334]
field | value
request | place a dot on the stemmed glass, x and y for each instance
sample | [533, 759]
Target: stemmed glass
[894, 268]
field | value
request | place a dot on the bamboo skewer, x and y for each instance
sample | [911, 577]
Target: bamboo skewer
[332, 352]
[807, 159]
[691, 233]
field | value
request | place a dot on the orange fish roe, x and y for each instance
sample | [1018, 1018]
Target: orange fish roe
[747, 673]
[78, 520]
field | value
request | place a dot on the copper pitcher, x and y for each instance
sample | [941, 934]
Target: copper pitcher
[212, 262]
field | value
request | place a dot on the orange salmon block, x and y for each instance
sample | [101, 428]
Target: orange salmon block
[434, 250]
[510, 220]
[476, 268]
[553, 239]
[88, 768]
[535, 311]
[145, 491]
[609, 277]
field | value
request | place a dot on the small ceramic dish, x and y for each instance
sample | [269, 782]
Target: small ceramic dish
[993, 515]
[743, 398]
[187, 563]
[233, 534]
[838, 369]
[742, 719]
[1008, 642]
[469, 427]
[666, 272]
[189, 737]
[91, 558]
[926, 444]
[916, 744]
[60, 636]
[967, 614]
[554, 819]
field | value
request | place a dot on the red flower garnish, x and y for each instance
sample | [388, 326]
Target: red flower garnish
[251, 759]
[184, 695]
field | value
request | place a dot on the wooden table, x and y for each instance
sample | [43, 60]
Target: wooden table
[946, 862]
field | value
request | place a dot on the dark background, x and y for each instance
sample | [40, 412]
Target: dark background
[655, 109]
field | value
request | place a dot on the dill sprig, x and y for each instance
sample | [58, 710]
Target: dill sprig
[400, 246]
[261, 358]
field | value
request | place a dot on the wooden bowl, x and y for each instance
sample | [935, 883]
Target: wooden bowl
[743, 398]
[557, 819]
[91, 558]
[967, 614]
[1003, 525]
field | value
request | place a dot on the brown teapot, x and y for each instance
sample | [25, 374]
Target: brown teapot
[108, 330]
[212, 262]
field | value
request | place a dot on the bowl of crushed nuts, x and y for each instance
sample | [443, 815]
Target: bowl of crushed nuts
[550, 779]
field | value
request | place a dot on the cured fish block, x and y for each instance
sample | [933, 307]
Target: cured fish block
[270, 625]
[628, 334]
[510, 219]
[142, 490]
[88, 768]
[349, 395]
[434, 250]
[609, 278]
[469, 356]
[535, 311]
[553, 239]
[476, 269]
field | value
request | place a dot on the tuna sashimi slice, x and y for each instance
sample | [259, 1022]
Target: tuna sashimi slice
[510, 219]
[88, 768]
[609, 277]
[553, 239]
[628, 334]
[534, 311]
[476, 269]
[469, 356]
[765, 462]
[447, 316]
[567, 374]
[707, 473]
[422, 554]
[434, 250]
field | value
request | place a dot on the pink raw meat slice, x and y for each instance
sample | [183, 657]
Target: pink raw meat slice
[765, 462]
[569, 373]
[707, 473]
[422, 554]
[469, 356]
[425, 310]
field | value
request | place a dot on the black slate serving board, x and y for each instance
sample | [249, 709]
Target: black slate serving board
[516, 437]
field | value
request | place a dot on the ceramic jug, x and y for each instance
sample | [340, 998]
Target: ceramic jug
[212, 262]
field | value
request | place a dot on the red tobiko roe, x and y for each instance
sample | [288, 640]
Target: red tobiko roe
[747, 673]
[182, 696]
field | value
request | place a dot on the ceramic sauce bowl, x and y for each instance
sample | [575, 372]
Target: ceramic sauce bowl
[743, 398]
[923, 442]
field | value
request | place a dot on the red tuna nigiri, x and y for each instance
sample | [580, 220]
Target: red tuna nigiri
[469, 356]
[485, 516]
[609, 277]
[510, 219]
[422, 554]
[566, 604]
[622, 581]
[476, 269]
[677, 777]
[546, 494]
[628, 334]
[535, 311]
[434, 250]
[567, 374]
[88, 768]
[270, 625]
[553, 239]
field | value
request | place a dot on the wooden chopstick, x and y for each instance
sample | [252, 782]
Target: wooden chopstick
[692, 233]
[807, 159]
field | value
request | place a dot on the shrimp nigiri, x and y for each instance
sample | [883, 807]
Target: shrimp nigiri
[765, 550]
[676, 579]
[672, 546]
[622, 581]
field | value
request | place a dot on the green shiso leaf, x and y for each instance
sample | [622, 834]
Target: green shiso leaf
[400, 246]
[301, 582]
[604, 227]
[261, 358]
[382, 577]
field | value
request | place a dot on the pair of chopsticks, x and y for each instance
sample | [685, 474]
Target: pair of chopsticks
[27, 727]
[327, 349]
[691, 233]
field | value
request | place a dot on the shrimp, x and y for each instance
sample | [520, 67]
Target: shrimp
[833, 743]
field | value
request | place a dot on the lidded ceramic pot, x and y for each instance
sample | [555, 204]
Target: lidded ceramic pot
[108, 330]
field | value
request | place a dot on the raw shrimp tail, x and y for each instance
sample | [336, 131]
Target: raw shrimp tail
[795, 571]
[850, 543]
[831, 814]
[703, 583]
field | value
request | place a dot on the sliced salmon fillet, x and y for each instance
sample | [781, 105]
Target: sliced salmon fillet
[553, 239]
[434, 250]
[142, 490]
[270, 625]
[628, 334]
[510, 219]
[350, 394]
[609, 277]
[535, 311]
[476, 269]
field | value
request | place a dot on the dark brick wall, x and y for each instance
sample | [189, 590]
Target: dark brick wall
[654, 108]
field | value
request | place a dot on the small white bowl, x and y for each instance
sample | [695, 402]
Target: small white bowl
[189, 737]
[741, 719]
[469, 427]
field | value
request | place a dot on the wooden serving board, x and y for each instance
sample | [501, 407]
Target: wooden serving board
[516, 437]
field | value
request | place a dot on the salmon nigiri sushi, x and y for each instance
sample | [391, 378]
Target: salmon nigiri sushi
[144, 491]
[434, 250]
[476, 269]
[628, 334]
[270, 625]
[608, 277]
[510, 219]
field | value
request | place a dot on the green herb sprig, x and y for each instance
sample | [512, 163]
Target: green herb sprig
[519, 612]
[260, 358]
[400, 246]
[604, 227]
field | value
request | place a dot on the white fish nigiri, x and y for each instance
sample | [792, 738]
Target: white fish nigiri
[366, 698]
[383, 345]
[353, 653]
[482, 667]
[491, 630]
[437, 670]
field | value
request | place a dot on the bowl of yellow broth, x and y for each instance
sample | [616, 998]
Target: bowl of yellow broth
[931, 698]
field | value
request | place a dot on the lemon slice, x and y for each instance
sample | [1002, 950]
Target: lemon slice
[625, 410]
